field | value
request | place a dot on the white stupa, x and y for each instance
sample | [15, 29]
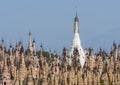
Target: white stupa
[77, 43]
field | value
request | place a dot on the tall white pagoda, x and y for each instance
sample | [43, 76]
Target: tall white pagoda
[76, 44]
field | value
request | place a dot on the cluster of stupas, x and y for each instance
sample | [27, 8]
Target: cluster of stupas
[77, 67]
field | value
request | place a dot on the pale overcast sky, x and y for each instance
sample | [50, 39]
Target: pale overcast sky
[51, 22]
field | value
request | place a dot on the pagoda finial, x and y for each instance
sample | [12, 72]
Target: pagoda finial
[76, 12]
[30, 46]
[76, 17]
[33, 40]
[41, 48]
[76, 9]
[34, 48]
[3, 44]
[2, 39]
[29, 33]
[10, 45]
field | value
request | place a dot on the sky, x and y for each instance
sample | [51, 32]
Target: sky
[51, 22]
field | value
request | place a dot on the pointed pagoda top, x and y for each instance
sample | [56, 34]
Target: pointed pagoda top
[29, 33]
[34, 40]
[10, 45]
[76, 19]
[2, 39]
[41, 49]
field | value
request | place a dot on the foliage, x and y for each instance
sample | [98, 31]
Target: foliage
[111, 83]
[45, 54]
[101, 82]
